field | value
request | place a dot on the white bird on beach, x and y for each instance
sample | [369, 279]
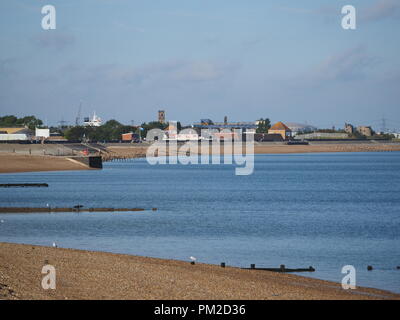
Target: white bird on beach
[193, 258]
[54, 245]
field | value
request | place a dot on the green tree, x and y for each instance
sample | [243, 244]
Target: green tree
[8, 121]
[263, 125]
[29, 121]
[75, 133]
[152, 125]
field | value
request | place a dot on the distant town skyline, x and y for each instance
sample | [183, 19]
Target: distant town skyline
[286, 60]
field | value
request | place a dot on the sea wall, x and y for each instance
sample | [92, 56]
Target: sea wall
[95, 162]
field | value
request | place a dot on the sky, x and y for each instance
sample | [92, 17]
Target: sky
[286, 60]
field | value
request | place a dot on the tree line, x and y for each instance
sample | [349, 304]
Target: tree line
[30, 122]
[110, 131]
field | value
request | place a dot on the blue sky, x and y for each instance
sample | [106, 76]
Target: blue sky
[126, 59]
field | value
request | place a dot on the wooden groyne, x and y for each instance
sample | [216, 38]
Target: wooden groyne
[24, 185]
[282, 268]
[77, 208]
[122, 152]
[120, 157]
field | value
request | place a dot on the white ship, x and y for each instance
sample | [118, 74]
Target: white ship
[94, 122]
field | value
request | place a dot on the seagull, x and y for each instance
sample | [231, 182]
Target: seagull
[193, 258]
[54, 245]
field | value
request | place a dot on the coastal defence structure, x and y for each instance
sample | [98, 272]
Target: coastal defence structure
[322, 135]
[87, 155]
[94, 162]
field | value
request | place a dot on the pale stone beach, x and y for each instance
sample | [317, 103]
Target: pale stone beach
[101, 275]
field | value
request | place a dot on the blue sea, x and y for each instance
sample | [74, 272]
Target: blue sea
[322, 210]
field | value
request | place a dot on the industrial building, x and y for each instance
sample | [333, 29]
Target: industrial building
[365, 131]
[42, 133]
[130, 137]
[299, 128]
[16, 134]
[349, 128]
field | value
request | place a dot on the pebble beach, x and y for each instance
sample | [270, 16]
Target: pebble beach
[100, 275]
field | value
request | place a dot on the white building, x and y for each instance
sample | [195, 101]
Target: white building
[14, 134]
[14, 137]
[171, 134]
[42, 133]
[299, 128]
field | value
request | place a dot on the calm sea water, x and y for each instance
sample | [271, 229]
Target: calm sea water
[320, 210]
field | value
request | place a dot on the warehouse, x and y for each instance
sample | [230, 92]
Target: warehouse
[16, 134]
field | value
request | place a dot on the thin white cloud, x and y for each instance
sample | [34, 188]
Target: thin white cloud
[347, 65]
[54, 40]
[175, 71]
[350, 65]
[381, 9]
[157, 75]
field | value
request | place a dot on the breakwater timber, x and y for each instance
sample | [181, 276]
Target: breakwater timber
[77, 208]
[24, 185]
[282, 268]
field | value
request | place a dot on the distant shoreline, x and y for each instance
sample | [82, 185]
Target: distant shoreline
[14, 162]
[101, 275]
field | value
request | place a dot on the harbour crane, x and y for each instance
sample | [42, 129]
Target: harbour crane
[78, 116]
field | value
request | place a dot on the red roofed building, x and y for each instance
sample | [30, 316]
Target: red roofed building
[282, 129]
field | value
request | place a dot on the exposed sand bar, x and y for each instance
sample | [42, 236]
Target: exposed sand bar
[10, 163]
[328, 147]
[14, 162]
[100, 275]
[133, 151]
